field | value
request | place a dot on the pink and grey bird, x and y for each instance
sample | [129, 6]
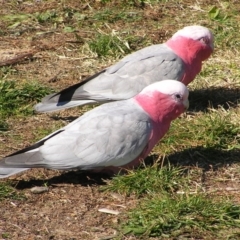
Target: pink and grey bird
[112, 135]
[180, 58]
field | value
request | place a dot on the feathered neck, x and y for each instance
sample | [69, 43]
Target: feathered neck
[189, 50]
[192, 52]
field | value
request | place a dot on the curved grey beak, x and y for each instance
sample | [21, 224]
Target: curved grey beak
[186, 104]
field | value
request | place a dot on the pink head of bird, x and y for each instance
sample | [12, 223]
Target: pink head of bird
[164, 100]
[197, 41]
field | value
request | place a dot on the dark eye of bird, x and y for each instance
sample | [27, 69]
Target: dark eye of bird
[178, 96]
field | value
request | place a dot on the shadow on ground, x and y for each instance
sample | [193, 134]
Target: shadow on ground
[67, 119]
[201, 99]
[84, 178]
[206, 158]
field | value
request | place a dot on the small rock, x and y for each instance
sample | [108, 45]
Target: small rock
[106, 210]
[231, 189]
[117, 196]
[38, 190]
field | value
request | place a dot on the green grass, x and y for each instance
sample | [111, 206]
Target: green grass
[175, 215]
[114, 16]
[5, 235]
[111, 45]
[8, 192]
[148, 180]
[48, 16]
[170, 205]
[42, 131]
[115, 44]
[210, 130]
[3, 125]
[18, 99]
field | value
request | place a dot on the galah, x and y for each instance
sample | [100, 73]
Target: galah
[180, 58]
[112, 136]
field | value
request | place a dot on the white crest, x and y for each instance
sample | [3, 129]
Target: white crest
[194, 32]
[168, 87]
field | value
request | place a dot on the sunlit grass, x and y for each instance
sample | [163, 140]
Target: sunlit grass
[111, 44]
[19, 98]
[170, 204]
[149, 180]
[183, 214]
[8, 192]
[213, 129]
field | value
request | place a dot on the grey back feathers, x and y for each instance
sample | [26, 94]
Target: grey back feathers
[121, 81]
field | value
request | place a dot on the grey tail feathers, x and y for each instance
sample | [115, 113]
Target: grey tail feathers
[64, 98]
[51, 107]
[7, 170]
[36, 145]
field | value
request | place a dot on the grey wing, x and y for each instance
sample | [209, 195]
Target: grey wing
[112, 135]
[113, 138]
[123, 80]
[134, 72]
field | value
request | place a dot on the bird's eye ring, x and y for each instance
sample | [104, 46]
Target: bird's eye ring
[205, 40]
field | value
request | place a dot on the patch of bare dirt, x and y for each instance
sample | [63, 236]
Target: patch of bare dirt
[69, 210]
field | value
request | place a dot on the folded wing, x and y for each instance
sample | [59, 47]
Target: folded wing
[123, 80]
[109, 135]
